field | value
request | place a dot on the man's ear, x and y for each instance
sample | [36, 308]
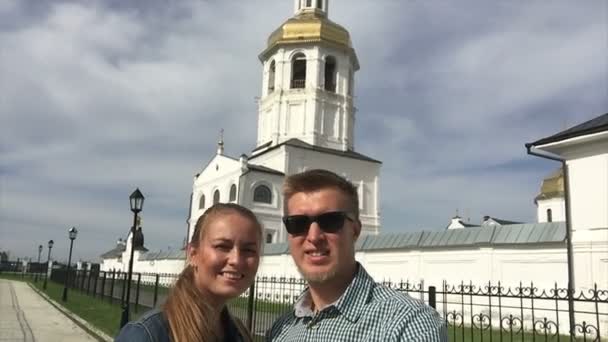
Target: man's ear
[357, 228]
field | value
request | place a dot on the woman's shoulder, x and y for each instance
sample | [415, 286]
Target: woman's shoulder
[236, 330]
[150, 327]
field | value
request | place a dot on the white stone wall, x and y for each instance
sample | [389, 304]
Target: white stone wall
[589, 190]
[543, 265]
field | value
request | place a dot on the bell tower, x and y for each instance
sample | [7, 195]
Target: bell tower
[308, 81]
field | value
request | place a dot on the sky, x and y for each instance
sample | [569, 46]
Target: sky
[100, 97]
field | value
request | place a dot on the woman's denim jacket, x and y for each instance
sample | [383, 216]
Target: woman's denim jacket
[154, 327]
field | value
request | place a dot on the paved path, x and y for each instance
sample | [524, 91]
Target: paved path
[25, 316]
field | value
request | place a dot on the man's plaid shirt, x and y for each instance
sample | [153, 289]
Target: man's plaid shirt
[366, 311]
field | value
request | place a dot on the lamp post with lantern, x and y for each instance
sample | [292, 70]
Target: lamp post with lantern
[72, 234]
[137, 202]
[38, 266]
[48, 260]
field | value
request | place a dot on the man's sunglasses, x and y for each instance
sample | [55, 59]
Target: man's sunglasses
[330, 222]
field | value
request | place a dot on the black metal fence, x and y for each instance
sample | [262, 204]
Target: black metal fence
[147, 289]
[489, 312]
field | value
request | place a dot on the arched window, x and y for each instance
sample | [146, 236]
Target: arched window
[271, 71]
[549, 215]
[262, 194]
[232, 193]
[201, 202]
[216, 197]
[298, 71]
[330, 73]
[269, 238]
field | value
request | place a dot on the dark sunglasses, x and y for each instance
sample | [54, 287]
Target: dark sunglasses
[330, 222]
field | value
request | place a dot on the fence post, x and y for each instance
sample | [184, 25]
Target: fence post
[89, 282]
[84, 276]
[156, 290]
[137, 291]
[433, 297]
[250, 308]
[124, 289]
[95, 284]
[112, 286]
[103, 284]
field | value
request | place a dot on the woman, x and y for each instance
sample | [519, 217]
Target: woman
[223, 258]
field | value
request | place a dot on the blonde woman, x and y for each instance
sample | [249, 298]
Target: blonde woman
[223, 258]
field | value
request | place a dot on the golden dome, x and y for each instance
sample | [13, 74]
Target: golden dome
[306, 27]
[552, 186]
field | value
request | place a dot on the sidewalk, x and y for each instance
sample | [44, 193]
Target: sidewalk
[25, 316]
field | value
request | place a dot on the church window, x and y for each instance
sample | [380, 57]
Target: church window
[262, 194]
[298, 71]
[271, 72]
[216, 197]
[549, 215]
[201, 203]
[232, 193]
[330, 73]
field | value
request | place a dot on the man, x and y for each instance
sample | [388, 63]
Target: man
[342, 302]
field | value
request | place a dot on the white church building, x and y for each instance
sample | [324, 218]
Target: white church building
[306, 119]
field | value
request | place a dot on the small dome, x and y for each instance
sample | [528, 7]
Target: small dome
[552, 186]
[309, 27]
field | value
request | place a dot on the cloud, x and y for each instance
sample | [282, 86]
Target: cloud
[100, 97]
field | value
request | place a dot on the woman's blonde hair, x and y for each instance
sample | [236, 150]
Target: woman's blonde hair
[190, 316]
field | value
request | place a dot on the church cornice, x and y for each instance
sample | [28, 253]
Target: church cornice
[303, 145]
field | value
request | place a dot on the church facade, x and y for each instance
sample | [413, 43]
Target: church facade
[306, 120]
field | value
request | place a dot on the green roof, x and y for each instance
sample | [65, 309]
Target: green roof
[514, 234]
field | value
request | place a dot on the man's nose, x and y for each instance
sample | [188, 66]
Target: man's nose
[315, 234]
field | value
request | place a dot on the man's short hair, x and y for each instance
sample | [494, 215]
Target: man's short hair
[318, 179]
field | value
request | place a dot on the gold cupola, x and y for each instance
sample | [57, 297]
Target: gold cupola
[552, 186]
[310, 25]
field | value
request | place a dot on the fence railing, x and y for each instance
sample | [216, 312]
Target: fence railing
[488, 312]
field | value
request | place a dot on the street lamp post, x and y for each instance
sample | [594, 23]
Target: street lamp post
[137, 202]
[38, 266]
[48, 259]
[72, 234]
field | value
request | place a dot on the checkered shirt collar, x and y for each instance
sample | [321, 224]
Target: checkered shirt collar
[350, 304]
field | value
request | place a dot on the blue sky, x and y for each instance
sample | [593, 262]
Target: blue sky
[100, 97]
